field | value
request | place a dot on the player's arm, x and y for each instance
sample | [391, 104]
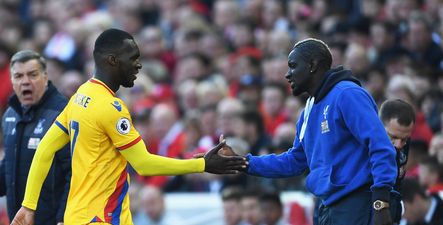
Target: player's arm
[148, 164]
[54, 140]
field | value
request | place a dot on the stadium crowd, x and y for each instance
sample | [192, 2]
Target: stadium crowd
[218, 67]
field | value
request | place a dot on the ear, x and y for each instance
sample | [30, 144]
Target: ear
[314, 65]
[112, 60]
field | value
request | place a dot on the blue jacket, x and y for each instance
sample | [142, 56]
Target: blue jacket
[22, 132]
[345, 145]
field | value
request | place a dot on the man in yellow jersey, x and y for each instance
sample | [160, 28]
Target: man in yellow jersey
[99, 129]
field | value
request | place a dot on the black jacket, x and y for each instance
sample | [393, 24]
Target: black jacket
[22, 131]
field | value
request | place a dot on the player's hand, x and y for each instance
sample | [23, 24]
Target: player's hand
[226, 150]
[221, 164]
[24, 216]
[382, 217]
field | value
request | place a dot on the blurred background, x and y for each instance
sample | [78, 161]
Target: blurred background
[214, 67]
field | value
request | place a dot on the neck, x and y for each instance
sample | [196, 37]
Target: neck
[104, 76]
[317, 80]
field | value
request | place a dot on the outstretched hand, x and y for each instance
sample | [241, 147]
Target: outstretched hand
[226, 150]
[220, 163]
[24, 216]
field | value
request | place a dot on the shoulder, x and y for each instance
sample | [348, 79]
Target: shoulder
[347, 89]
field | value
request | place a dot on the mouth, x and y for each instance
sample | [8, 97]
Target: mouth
[27, 93]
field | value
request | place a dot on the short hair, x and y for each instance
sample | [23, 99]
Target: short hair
[110, 40]
[254, 117]
[397, 109]
[411, 188]
[433, 165]
[26, 55]
[231, 193]
[271, 197]
[312, 48]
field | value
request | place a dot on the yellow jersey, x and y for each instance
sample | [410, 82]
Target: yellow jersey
[98, 124]
[102, 138]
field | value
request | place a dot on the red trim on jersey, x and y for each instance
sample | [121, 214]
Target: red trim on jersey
[95, 81]
[129, 144]
[113, 199]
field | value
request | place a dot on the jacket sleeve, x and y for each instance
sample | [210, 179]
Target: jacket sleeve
[290, 163]
[359, 112]
[2, 178]
[64, 159]
[53, 141]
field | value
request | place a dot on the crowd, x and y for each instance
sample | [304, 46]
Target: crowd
[218, 67]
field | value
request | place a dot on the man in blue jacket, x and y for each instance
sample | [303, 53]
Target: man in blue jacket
[340, 139]
[32, 109]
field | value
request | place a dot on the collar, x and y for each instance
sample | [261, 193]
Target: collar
[99, 82]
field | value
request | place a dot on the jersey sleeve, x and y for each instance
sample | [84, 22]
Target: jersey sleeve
[117, 123]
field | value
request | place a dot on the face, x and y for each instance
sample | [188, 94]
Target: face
[232, 212]
[129, 63]
[271, 212]
[397, 133]
[413, 210]
[251, 210]
[298, 74]
[29, 81]
[154, 206]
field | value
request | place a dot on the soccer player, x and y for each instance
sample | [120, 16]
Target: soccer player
[102, 138]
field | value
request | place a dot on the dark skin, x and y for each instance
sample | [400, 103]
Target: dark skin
[120, 69]
[306, 75]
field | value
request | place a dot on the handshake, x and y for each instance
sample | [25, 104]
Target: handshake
[223, 160]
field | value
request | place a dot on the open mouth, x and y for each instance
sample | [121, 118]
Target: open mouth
[27, 93]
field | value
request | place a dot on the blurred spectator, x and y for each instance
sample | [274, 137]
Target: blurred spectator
[5, 87]
[272, 108]
[418, 150]
[384, 42]
[229, 117]
[153, 47]
[419, 41]
[271, 209]
[255, 134]
[436, 147]
[420, 208]
[70, 81]
[168, 139]
[153, 211]
[338, 53]
[250, 207]
[376, 85]
[249, 91]
[232, 212]
[432, 106]
[431, 175]
[402, 87]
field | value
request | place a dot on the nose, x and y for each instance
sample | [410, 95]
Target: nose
[287, 75]
[25, 80]
[398, 143]
[138, 65]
